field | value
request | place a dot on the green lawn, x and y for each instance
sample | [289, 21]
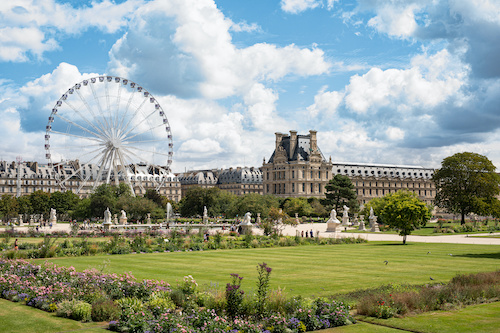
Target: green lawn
[306, 270]
[19, 318]
[476, 318]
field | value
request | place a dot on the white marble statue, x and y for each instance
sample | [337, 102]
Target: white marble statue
[371, 212]
[124, 215]
[107, 216]
[332, 223]
[346, 210]
[247, 219]
[53, 214]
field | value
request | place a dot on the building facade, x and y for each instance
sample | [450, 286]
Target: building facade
[25, 178]
[297, 168]
[377, 180]
[239, 181]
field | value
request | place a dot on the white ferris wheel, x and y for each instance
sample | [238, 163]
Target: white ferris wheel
[107, 130]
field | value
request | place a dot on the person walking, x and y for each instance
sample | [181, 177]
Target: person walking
[15, 245]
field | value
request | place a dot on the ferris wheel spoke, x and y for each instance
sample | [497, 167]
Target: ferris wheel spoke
[83, 182]
[99, 107]
[138, 124]
[146, 151]
[140, 133]
[84, 118]
[80, 127]
[91, 111]
[117, 108]
[135, 115]
[142, 141]
[102, 165]
[76, 136]
[129, 102]
[76, 147]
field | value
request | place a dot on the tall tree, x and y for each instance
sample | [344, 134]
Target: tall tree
[9, 206]
[467, 183]
[405, 212]
[298, 206]
[339, 192]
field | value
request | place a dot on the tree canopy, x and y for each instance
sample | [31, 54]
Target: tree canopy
[467, 183]
[405, 212]
[339, 192]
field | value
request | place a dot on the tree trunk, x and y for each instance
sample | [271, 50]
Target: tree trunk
[462, 221]
[404, 239]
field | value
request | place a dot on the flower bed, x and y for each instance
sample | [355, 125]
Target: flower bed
[153, 306]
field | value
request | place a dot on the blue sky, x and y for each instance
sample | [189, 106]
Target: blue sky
[394, 82]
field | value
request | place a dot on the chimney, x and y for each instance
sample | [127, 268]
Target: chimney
[293, 143]
[313, 141]
[279, 136]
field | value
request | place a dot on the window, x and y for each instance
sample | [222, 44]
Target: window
[304, 187]
[312, 188]
[293, 174]
[293, 187]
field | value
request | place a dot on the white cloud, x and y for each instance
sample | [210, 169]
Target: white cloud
[394, 133]
[325, 102]
[297, 6]
[30, 27]
[192, 41]
[431, 81]
[398, 21]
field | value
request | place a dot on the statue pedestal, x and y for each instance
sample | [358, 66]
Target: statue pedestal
[345, 221]
[53, 221]
[246, 229]
[362, 226]
[107, 225]
[375, 228]
[332, 225]
[123, 220]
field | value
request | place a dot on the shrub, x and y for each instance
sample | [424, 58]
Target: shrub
[160, 302]
[74, 309]
[105, 310]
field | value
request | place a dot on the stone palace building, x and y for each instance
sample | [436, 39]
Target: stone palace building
[296, 168]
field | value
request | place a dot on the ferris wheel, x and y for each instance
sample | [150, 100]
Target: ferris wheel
[107, 130]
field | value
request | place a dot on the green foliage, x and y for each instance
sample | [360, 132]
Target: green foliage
[40, 202]
[467, 183]
[298, 206]
[234, 296]
[339, 192]
[405, 212]
[160, 302]
[8, 206]
[263, 278]
[75, 309]
[105, 310]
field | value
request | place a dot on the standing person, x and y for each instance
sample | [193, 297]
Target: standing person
[302, 233]
[312, 233]
[15, 245]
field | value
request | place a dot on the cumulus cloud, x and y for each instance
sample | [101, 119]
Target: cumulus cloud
[297, 6]
[192, 40]
[31, 28]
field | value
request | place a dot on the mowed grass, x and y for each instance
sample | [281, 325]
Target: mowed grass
[19, 318]
[305, 270]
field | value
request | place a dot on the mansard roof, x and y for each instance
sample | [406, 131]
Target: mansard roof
[301, 150]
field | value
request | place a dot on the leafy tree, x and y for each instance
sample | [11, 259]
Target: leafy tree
[255, 203]
[317, 208]
[82, 209]
[156, 197]
[404, 211]
[299, 206]
[467, 183]
[197, 198]
[9, 206]
[339, 192]
[63, 202]
[104, 197]
[40, 202]
[24, 204]
[276, 221]
[378, 205]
